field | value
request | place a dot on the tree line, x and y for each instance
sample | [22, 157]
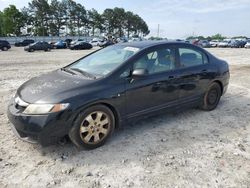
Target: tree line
[213, 37]
[51, 18]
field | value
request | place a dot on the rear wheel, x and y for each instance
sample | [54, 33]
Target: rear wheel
[211, 97]
[93, 127]
[5, 48]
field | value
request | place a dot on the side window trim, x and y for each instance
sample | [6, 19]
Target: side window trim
[130, 66]
[190, 48]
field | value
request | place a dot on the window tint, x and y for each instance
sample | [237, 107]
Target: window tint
[106, 60]
[190, 57]
[157, 61]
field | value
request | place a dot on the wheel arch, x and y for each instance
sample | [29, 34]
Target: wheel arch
[220, 84]
[115, 112]
[108, 105]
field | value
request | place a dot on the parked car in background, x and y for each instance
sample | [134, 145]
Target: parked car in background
[60, 45]
[88, 99]
[41, 45]
[204, 44]
[68, 41]
[81, 46]
[25, 42]
[135, 38]
[214, 43]
[4, 45]
[237, 44]
[107, 43]
[76, 41]
[96, 41]
[243, 43]
[224, 44]
[247, 45]
[122, 40]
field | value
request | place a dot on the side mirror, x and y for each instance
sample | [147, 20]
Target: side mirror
[138, 73]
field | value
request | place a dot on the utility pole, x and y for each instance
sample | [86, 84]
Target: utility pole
[158, 30]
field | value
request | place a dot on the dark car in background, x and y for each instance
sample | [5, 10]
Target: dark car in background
[25, 42]
[41, 45]
[237, 44]
[68, 41]
[81, 46]
[4, 45]
[106, 43]
[73, 42]
[60, 44]
[89, 98]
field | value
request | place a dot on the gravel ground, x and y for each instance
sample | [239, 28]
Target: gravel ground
[189, 149]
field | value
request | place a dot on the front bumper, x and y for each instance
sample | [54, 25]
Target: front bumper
[44, 129]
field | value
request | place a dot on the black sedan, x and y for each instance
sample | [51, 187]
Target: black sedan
[38, 46]
[81, 46]
[25, 42]
[89, 98]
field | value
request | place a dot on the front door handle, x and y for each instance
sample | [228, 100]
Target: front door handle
[157, 84]
[204, 72]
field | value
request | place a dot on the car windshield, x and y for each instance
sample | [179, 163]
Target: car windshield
[104, 61]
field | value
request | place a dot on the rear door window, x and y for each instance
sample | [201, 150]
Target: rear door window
[190, 57]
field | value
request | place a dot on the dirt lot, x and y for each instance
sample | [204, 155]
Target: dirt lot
[189, 149]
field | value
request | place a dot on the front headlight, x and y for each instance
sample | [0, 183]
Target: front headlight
[45, 108]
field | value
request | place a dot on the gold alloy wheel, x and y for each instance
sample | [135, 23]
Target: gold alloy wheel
[95, 127]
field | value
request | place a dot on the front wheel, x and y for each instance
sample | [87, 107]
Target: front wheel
[5, 48]
[93, 127]
[211, 97]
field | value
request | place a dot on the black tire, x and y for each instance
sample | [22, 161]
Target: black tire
[31, 50]
[211, 97]
[77, 136]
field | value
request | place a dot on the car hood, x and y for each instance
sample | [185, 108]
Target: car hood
[52, 87]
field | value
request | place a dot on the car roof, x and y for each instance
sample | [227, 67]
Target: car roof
[148, 43]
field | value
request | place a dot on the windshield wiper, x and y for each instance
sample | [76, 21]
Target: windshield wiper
[84, 73]
[68, 70]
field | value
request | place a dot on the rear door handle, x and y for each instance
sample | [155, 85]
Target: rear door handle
[171, 77]
[204, 71]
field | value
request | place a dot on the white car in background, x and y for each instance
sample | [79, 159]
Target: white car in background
[134, 39]
[225, 43]
[96, 42]
[214, 43]
[247, 45]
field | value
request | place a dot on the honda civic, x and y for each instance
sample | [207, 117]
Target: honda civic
[90, 98]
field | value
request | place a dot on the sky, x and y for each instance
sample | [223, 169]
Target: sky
[178, 18]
